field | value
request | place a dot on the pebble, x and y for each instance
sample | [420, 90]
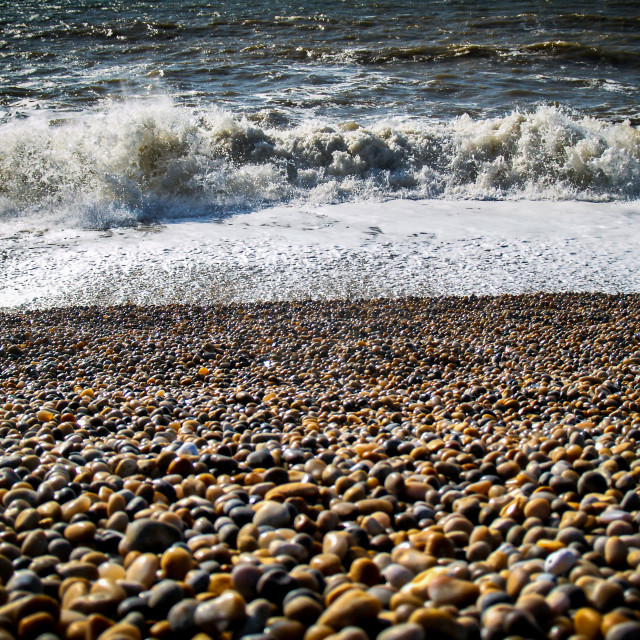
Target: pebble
[402, 469]
[146, 535]
[353, 607]
[560, 562]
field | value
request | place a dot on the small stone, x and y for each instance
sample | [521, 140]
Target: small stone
[404, 631]
[592, 482]
[337, 543]
[143, 570]
[303, 609]
[304, 490]
[537, 508]
[615, 553]
[80, 532]
[187, 449]
[176, 562]
[365, 571]
[25, 581]
[274, 586]
[560, 562]
[435, 624]
[349, 609]
[221, 614]
[443, 589]
[35, 624]
[152, 536]
[273, 514]
[624, 631]
[586, 622]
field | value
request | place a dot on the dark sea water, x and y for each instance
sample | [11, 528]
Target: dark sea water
[114, 112]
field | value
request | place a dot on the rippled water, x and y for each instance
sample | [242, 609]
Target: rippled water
[112, 112]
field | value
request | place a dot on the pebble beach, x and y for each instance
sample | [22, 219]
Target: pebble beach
[452, 468]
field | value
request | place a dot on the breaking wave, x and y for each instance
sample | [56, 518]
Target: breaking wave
[141, 162]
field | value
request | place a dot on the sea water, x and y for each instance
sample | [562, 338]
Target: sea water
[119, 115]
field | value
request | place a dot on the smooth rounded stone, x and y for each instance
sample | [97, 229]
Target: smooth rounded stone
[345, 511]
[122, 631]
[245, 580]
[143, 570]
[303, 609]
[436, 623]
[258, 612]
[369, 506]
[560, 562]
[163, 596]
[274, 586]
[78, 569]
[349, 609]
[260, 459]
[337, 543]
[27, 495]
[35, 624]
[624, 631]
[349, 633]
[537, 606]
[291, 549]
[397, 575]
[383, 594]
[273, 514]
[478, 551]
[119, 521]
[25, 581]
[439, 546]
[27, 520]
[224, 613]
[606, 595]
[365, 571]
[615, 553]
[327, 564]
[630, 502]
[611, 515]
[95, 603]
[80, 532]
[146, 535]
[537, 508]
[281, 628]
[587, 623]
[592, 482]
[443, 590]
[305, 490]
[521, 623]
[187, 449]
[404, 631]
[35, 544]
[493, 598]
[176, 562]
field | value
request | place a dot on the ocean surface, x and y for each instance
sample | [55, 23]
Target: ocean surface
[119, 113]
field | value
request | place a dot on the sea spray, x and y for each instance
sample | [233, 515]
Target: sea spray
[155, 160]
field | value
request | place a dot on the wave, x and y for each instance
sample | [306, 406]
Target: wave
[142, 161]
[434, 53]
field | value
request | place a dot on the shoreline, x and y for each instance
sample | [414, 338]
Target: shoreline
[382, 469]
[396, 248]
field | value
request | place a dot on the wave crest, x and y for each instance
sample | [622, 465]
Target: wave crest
[140, 162]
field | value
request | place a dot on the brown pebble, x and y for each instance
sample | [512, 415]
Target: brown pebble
[350, 609]
[303, 609]
[176, 563]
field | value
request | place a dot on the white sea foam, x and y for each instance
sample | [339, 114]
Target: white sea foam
[149, 161]
[396, 248]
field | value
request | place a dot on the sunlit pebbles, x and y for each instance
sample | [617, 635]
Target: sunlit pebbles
[405, 469]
